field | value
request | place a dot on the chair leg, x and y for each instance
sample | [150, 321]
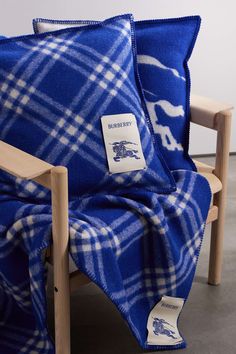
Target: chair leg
[61, 259]
[217, 239]
[223, 124]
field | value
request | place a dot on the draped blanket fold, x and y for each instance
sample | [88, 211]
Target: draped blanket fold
[136, 247]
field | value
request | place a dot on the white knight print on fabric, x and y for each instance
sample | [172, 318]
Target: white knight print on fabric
[164, 47]
[167, 138]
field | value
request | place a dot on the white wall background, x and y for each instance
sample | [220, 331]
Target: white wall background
[213, 63]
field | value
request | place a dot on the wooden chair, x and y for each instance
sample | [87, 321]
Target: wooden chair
[204, 112]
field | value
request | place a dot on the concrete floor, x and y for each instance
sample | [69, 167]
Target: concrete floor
[208, 321]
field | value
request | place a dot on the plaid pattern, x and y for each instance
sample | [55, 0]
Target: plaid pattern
[135, 243]
[164, 74]
[57, 86]
[136, 246]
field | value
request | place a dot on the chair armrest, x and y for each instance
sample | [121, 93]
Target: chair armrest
[26, 166]
[205, 111]
[21, 164]
[203, 167]
[216, 116]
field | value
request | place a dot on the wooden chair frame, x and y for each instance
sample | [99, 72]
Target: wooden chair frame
[204, 112]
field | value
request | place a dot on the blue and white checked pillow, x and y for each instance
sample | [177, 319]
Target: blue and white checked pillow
[164, 48]
[55, 87]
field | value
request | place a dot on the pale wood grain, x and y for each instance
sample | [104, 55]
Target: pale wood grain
[21, 164]
[60, 232]
[204, 111]
[217, 116]
[221, 171]
[203, 167]
[214, 182]
[212, 214]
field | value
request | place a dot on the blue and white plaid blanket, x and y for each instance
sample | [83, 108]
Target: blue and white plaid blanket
[136, 246]
[137, 243]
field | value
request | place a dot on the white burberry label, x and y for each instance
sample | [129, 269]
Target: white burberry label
[162, 322]
[122, 142]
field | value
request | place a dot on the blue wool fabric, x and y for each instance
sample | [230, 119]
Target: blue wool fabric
[134, 241]
[137, 247]
[164, 48]
[54, 90]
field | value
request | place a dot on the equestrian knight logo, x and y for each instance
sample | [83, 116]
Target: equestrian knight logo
[159, 328]
[122, 150]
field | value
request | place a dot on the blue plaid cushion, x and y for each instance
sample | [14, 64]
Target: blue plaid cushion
[54, 89]
[164, 47]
